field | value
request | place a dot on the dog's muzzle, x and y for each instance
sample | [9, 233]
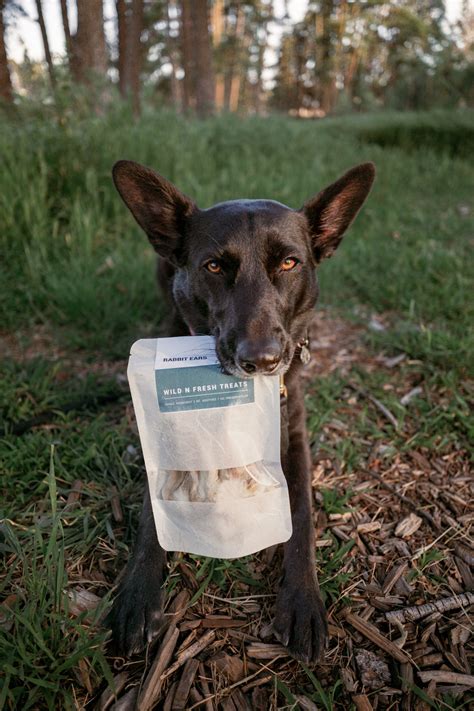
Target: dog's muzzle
[258, 356]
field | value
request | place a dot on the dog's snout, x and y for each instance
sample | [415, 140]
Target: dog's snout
[259, 356]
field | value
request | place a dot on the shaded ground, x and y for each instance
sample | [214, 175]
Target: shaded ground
[393, 511]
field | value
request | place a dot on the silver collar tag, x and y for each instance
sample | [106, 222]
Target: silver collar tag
[305, 353]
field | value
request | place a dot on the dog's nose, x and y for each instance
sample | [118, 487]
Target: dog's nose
[258, 356]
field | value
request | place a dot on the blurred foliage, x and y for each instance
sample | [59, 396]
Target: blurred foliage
[362, 55]
[344, 55]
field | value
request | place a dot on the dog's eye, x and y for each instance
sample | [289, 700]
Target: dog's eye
[213, 267]
[288, 264]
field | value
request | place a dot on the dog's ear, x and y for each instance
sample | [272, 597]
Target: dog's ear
[157, 205]
[331, 211]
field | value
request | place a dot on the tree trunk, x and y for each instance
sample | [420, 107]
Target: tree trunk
[259, 91]
[205, 84]
[122, 34]
[234, 72]
[47, 52]
[217, 24]
[189, 63]
[6, 89]
[197, 57]
[326, 76]
[234, 92]
[67, 32]
[134, 53]
[351, 73]
[173, 57]
[90, 48]
[217, 21]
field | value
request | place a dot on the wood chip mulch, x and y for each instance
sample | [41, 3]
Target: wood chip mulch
[401, 623]
[402, 595]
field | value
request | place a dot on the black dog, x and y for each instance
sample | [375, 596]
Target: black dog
[243, 271]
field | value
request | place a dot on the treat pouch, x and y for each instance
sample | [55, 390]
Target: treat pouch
[211, 444]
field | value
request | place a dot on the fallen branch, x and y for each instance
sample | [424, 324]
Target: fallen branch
[446, 677]
[416, 612]
[372, 633]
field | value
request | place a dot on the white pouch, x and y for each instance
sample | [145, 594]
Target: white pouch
[211, 444]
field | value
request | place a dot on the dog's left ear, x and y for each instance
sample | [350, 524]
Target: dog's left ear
[331, 211]
[157, 205]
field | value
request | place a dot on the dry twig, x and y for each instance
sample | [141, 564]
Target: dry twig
[190, 652]
[151, 690]
[185, 683]
[446, 677]
[372, 633]
[379, 405]
[410, 614]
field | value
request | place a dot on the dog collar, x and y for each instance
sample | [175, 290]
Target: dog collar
[301, 350]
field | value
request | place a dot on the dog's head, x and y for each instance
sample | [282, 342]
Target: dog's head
[244, 269]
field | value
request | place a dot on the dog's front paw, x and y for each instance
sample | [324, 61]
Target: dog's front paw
[136, 617]
[300, 621]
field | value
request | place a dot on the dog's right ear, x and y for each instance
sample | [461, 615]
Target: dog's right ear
[157, 205]
[331, 211]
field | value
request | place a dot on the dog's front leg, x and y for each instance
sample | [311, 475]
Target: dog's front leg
[300, 618]
[136, 616]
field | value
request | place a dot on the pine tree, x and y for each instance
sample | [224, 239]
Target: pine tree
[6, 89]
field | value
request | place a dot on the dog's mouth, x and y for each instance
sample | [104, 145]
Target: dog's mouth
[230, 365]
[227, 353]
[236, 371]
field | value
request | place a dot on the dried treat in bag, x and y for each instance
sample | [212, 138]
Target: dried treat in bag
[211, 444]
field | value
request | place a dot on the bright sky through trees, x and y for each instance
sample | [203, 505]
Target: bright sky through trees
[25, 32]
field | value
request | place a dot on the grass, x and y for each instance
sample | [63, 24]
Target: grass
[38, 659]
[77, 287]
[450, 133]
[69, 248]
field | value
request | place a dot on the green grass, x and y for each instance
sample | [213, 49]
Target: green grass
[447, 132]
[74, 262]
[429, 421]
[70, 250]
[43, 644]
[424, 563]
